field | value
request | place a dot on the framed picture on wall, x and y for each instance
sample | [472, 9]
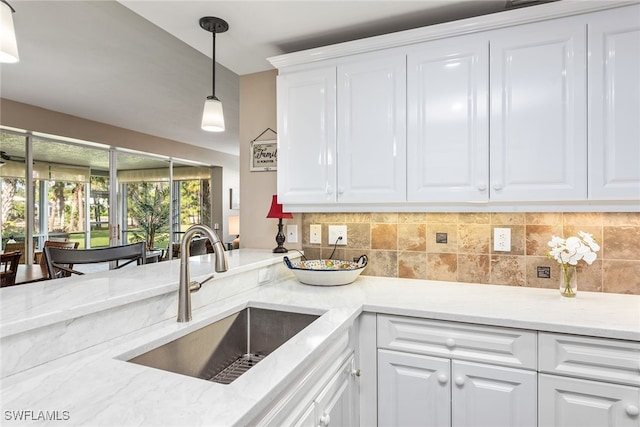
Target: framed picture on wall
[234, 198]
[264, 156]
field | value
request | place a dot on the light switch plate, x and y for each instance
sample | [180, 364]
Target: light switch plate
[292, 233]
[315, 234]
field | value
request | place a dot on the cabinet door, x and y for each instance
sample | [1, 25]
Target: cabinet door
[413, 390]
[570, 402]
[307, 136]
[448, 123]
[538, 119]
[336, 405]
[372, 129]
[485, 395]
[614, 104]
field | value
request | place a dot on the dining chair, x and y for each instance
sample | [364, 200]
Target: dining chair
[60, 261]
[8, 267]
[16, 247]
[55, 244]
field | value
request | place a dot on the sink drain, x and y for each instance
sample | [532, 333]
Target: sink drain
[241, 365]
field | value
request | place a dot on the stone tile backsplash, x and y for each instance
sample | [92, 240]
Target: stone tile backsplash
[458, 247]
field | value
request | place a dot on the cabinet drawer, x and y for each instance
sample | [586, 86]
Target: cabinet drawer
[592, 358]
[500, 346]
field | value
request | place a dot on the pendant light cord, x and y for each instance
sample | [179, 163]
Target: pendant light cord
[213, 68]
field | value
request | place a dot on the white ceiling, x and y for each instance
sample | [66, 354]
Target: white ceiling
[101, 61]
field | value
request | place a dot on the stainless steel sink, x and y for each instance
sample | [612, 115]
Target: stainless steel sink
[224, 350]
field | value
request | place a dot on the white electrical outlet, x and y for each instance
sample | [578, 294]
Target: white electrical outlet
[336, 231]
[292, 233]
[502, 239]
[315, 234]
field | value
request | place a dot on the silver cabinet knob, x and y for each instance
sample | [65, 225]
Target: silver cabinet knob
[355, 372]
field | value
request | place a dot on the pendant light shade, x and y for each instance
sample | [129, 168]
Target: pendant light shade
[8, 44]
[213, 116]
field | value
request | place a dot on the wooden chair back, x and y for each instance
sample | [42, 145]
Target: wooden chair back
[60, 261]
[16, 246]
[8, 267]
[55, 244]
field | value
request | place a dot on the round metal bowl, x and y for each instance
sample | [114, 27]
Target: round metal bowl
[326, 272]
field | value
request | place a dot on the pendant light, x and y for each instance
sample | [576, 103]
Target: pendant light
[8, 44]
[213, 117]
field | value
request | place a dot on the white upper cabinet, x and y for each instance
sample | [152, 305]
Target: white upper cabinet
[307, 136]
[538, 112]
[448, 125]
[614, 104]
[372, 129]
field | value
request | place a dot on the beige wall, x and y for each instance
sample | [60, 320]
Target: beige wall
[35, 119]
[257, 113]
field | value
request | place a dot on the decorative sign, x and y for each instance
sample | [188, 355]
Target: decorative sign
[264, 156]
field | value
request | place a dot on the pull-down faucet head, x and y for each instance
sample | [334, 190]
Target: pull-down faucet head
[221, 265]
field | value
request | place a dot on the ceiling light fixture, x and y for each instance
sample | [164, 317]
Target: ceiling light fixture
[8, 44]
[213, 117]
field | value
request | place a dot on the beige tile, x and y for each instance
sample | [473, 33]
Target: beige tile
[589, 277]
[412, 218]
[332, 218]
[579, 219]
[507, 218]
[533, 281]
[538, 236]
[384, 217]
[474, 218]
[359, 235]
[621, 243]
[382, 263]
[412, 237]
[474, 268]
[412, 265]
[508, 270]
[328, 253]
[621, 218]
[442, 267]
[543, 218]
[445, 218]
[621, 277]
[384, 236]
[357, 217]
[474, 239]
[452, 238]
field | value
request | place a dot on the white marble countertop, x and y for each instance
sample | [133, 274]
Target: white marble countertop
[97, 387]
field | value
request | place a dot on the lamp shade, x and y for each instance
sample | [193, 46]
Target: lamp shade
[276, 209]
[8, 44]
[213, 117]
[234, 225]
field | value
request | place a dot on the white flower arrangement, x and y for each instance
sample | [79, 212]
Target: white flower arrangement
[573, 249]
[568, 252]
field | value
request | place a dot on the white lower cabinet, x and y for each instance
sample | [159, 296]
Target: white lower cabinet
[431, 391]
[571, 402]
[413, 390]
[587, 381]
[336, 404]
[434, 373]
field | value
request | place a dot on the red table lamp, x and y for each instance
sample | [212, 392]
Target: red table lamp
[276, 212]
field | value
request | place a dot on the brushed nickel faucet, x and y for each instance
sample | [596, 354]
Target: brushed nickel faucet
[186, 286]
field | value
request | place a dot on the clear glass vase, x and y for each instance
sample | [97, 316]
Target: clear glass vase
[568, 281]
